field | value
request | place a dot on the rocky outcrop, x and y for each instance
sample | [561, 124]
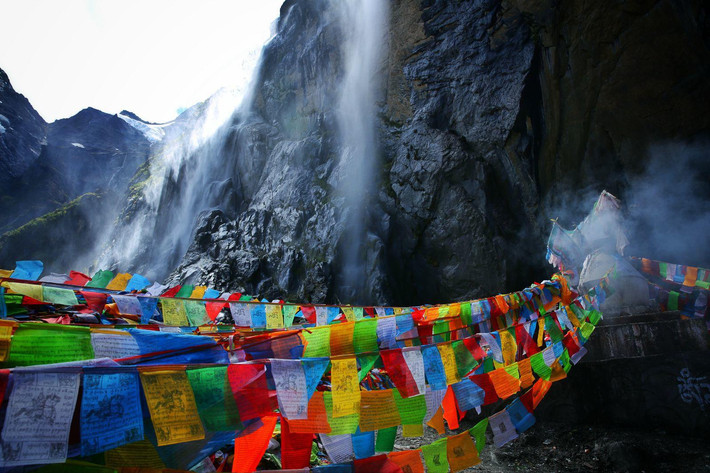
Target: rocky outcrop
[22, 132]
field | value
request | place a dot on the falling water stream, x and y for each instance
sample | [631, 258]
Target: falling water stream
[365, 25]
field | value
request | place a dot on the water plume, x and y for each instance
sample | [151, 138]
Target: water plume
[364, 24]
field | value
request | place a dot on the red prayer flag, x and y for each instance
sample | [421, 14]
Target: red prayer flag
[295, 448]
[484, 382]
[378, 463]
[398, 371]
[77, 279]
[250, 444]
[251, 393]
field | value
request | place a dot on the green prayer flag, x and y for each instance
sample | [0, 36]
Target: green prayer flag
[552, 328]
[435, 457]
[385, 439]
[412, 410]
[290, 312]
[565, 361]
[673, 300]
[478, 432]
[40, 344]
[185, 291]
[367, 362]
[539, 366]
[441, 329]
[101, 278]
[465, 362]
[365, 336]
[340, 425]
[488, 365]
[585, 330]
[466, 318]
[318, 342]
[594, 317]
[196, 312]
[59, 296]
[663, 269]
[215, 401]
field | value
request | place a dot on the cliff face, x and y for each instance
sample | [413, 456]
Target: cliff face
[489, 113]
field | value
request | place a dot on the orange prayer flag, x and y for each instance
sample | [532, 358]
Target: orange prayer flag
[341, 338]
[317, 421]
[378, 410]
[408, 460]
[539, 390]
[461, 452]
[691, 276]
[558, 372]
[250, 445]
[437, 422]
[450, 410]
[526, 377]
[504, 384]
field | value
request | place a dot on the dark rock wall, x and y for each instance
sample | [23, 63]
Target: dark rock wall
[491, 113]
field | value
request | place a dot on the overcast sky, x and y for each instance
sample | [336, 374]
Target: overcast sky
[152, 57]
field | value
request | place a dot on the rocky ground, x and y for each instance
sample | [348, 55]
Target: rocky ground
[556, 447]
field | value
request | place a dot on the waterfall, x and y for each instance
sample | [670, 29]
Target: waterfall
[185, 176]
[365, 25]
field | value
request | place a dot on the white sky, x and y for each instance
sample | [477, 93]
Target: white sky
[151, 57]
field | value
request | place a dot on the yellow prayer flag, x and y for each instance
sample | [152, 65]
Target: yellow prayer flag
[120, 282]
[5, 273]
[412, 430]
[172, 406]
[349, 313]
[6, 328]
[174, 312]
[448, 359]
[274, 316]
[508, 346]
[30, 290]
[345, 387]
[198, 292]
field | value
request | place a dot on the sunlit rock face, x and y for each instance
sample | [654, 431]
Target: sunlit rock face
[485, 116]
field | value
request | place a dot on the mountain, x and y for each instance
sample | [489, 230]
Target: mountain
[404, 161]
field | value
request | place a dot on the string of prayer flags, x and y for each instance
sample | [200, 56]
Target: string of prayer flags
[38, 418]
[345, 387]
[290, 381]
[251, 444]
[110, 411]
[172, 406]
